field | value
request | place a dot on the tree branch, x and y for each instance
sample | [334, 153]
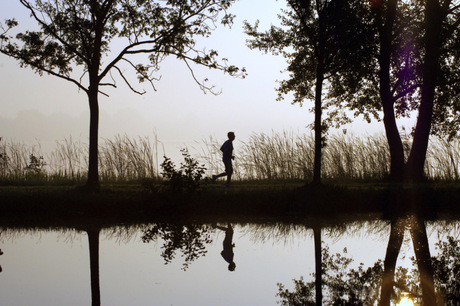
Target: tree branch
[406, 91]
[149, 78]
[127, 50]
[49, 71]
[305, 27]
[127, 82]
[163, 37]
[108, 84]
[200, 84]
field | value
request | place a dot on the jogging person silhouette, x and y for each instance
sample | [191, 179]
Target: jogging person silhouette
[227, 156]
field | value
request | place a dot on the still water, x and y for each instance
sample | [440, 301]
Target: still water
[162, 264]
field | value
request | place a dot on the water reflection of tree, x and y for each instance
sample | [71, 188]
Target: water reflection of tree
[190, 240]
[446, 268]
[332, 229]
[343, 286]
[419, 237]
[383, 282]
[93, 241]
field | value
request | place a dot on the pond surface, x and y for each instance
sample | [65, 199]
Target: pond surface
[170, 264]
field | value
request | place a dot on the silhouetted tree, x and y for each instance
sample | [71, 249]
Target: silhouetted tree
[386, 79]
[395, 57]
[416, 67]
[319, 39]
[441, 26]
[415, 48]
[80, 34]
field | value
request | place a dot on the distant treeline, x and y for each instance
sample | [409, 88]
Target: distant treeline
[275, 156]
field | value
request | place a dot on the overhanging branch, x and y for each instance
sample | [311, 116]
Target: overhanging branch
[43, 69]
[127, 82]
[149, 78]
[203, 87]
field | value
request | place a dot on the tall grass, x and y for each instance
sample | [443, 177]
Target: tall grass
[68, 160]
[16, 159]
[346, 157]
[120, 159]
[276, 156]
[126, 159]
[356, 158]
[443, 159]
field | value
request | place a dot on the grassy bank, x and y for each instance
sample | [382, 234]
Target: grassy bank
[276, 200]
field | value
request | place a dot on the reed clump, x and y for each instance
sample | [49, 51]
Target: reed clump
[121, 159]
[127, 159]
[283, 155]
[346, 157]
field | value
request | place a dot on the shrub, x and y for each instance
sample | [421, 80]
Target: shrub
[35, 168]
[185, 179]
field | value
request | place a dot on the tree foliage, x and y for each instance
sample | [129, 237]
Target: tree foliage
[78, 33]
[361, 86]
[313, 33]
[446, 117]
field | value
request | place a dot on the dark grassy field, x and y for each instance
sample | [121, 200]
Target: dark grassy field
[289, 201]
[270, 171]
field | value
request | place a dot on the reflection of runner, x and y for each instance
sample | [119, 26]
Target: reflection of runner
[227, 252]
[1, 253]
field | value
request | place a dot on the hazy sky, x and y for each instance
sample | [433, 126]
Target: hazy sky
[49, 109]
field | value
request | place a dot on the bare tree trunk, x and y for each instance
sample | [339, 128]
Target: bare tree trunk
[386, 96]
[433, 25]
[93, 167]
[394, 142]
[393, 249]
[318, 126]
[93, 93]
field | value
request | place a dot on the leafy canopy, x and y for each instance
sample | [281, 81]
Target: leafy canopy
[320, 40]
[81, 33]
